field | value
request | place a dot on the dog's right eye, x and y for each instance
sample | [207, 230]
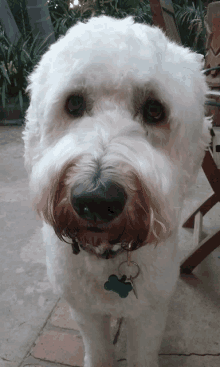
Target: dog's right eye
[75, 105]
[153, 111]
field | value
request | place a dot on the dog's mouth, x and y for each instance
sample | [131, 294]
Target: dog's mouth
[96, 240]
[101, 230]
[104, 250]
[95, 229]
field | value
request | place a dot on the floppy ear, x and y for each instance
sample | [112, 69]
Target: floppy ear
[37, 84]
[204, 142]
[31, 136]
[201, 59]
[205, 133]
[202, 146]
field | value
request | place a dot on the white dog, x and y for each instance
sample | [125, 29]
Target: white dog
[115, 135]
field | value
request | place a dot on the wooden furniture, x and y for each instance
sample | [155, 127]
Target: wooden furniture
[164, 17]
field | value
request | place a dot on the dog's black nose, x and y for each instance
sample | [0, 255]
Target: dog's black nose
[103, 204]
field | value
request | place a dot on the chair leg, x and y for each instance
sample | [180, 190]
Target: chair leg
[205, 206]
[212, 172]
[204, 248]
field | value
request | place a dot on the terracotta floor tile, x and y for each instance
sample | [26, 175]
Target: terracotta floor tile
[59, 347]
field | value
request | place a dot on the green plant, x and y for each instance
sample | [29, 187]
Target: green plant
[190, 20]
[16, 62]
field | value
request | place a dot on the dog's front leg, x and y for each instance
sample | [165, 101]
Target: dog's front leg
[95, 330]
[144, 336]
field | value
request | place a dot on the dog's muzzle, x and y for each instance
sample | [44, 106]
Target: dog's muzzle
[102, 215]
[99, 207]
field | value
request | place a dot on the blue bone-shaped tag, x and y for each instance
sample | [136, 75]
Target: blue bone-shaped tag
[119, 286]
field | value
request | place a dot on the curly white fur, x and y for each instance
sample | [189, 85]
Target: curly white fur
[116, 65]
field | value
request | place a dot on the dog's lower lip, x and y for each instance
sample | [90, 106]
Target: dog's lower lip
[114, 242]
[95, 229]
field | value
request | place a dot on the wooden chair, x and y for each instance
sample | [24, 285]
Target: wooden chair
[164, 17]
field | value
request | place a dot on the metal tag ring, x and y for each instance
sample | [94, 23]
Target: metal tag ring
[132, 262]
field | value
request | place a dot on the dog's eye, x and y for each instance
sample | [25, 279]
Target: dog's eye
[76, 105]
[153, 111]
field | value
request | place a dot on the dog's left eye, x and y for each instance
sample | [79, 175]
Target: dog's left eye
[76, 105]
[153, 111]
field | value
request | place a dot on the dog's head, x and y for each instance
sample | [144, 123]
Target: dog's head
[115, 132]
